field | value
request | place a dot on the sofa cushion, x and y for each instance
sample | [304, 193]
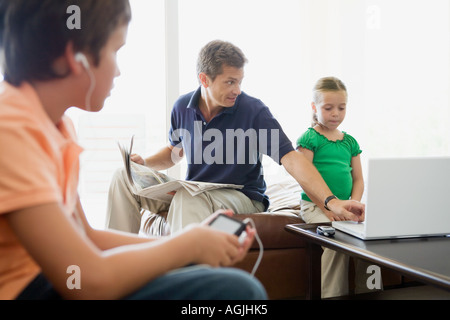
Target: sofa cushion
[284, 194]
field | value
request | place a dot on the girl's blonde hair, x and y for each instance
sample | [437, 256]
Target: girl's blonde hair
[325, 85]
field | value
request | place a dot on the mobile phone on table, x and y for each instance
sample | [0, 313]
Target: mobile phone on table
[326, 231]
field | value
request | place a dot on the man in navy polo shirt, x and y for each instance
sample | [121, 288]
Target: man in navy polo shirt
[223, 133]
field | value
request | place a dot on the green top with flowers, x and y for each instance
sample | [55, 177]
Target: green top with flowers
[333, 160]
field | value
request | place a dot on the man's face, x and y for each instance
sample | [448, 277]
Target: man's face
[224, 90]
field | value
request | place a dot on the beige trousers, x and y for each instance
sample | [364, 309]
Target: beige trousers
[335, 265]
[124, 207]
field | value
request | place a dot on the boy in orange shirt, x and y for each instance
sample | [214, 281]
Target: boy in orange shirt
[44, 235]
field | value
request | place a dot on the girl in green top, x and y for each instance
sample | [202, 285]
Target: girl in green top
[336, 156]
[335, 153]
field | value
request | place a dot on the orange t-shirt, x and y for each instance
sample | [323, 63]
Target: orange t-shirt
[39, 164]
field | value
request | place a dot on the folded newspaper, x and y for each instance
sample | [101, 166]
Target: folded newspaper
[153, 184]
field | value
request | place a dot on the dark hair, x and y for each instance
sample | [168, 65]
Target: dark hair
[33, 33]
[216, 54]
[325, 85]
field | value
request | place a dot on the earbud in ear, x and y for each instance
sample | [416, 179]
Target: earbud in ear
[80, 57]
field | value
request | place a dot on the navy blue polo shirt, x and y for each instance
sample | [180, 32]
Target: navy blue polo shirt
[229, 148]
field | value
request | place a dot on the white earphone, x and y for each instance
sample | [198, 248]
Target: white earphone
[80, 57]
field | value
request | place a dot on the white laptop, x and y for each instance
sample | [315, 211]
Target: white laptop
[406, 197]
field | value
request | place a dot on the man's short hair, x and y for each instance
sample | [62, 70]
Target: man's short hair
[217, 53]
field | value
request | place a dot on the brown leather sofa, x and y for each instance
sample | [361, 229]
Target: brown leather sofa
[282, 269]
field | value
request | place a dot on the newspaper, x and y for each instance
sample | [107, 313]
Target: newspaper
[152, 184]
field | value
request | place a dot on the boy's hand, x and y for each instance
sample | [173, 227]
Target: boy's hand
[242, 248]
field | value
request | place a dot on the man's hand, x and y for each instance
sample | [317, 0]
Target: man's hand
[346, 210]
[137, 159]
